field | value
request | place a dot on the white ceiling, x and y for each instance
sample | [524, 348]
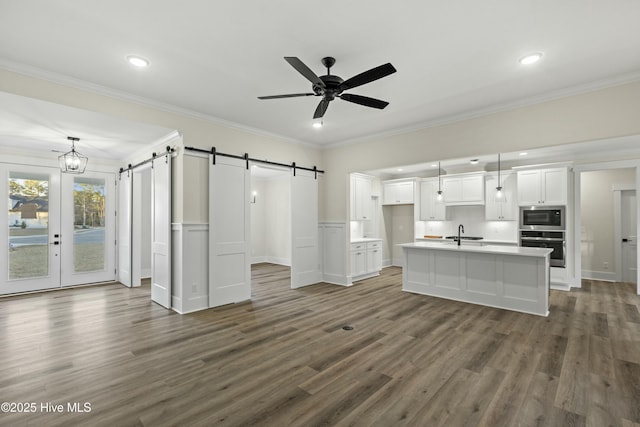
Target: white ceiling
[44, 127]
[215, 57]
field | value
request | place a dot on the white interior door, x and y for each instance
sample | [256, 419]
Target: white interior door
[161, 231]
[88, 228]
[304, 229]
[629, 236]
[229, 231]
[125, 186]
[30, 255]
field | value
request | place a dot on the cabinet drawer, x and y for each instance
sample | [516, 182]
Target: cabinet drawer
[373, 245]
[358, 246]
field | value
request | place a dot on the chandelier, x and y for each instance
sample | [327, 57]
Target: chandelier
[72, 161]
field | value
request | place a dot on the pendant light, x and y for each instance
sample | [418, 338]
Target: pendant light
[439, 193]
[72, 161]
[500, 198]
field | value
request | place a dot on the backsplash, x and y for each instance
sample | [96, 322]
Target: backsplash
[472, 217]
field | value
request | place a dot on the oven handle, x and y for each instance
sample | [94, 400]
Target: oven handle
[542, 239]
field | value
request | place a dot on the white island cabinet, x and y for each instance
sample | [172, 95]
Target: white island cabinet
[512, 278]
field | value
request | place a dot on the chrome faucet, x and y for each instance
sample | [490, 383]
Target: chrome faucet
[460, 230]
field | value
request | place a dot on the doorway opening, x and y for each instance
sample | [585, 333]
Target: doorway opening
[141, 224]
[270, 222]
[608, 224]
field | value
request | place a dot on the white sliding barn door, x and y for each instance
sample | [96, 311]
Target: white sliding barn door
[161, 231]
[229, 231]
[304, 229]
[124, 227]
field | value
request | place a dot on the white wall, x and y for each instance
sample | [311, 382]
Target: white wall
[271, 220]
[597, 221]
[398, 225]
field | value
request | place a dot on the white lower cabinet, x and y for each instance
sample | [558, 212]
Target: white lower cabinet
[366, 259]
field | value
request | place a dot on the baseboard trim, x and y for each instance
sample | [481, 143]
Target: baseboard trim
[336, 279]
[604, 276]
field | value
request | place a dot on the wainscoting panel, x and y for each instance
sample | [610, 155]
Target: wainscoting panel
[190, 288]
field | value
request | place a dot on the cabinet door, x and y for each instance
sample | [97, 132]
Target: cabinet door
[358, 263]
[389, 195]
[505, 209]
[529, 188]
[473, 189]
[363, 198]
[430, 208]
[426, 200]
[374, 260]
[452, 188]
[492, 208]
[554, 186]
[405, 192]
[509, 206]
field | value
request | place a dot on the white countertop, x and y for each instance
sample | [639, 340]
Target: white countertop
[365, 240]
[488, 241]
[503, 250]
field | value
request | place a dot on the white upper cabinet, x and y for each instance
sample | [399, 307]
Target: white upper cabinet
[431, 209]
[505, 208]
[361, 207]
[463, 189]
[398, 192]
[543, 187]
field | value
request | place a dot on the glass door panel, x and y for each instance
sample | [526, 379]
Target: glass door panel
[88, 228]
[30, 258]
[89, 223]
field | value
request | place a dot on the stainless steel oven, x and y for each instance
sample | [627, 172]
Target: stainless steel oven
[542, 218]
[546, 239]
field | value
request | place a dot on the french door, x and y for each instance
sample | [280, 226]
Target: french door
[58, 229]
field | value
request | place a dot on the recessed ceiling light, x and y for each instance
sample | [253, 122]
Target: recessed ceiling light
[474, 161]
[434, 165]
[317, 125]
[532, 58]
[399, 169]
[138, 61]
[524, 153]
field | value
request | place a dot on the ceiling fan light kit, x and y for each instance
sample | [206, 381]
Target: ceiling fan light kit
[330, 86]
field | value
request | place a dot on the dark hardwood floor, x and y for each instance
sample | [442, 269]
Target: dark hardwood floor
[284, 359]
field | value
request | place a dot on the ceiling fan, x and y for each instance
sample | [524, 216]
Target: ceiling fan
[330, 87]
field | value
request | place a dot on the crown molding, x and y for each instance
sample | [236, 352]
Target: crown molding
[498, 108]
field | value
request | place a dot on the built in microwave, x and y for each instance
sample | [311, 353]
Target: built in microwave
[542, 218]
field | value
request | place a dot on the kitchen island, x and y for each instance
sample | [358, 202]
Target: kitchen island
[513, 278]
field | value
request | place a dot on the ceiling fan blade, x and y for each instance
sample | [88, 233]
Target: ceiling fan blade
[364, 100]
[291, 95]
[368, 76]
[304, 70]
[321, 109]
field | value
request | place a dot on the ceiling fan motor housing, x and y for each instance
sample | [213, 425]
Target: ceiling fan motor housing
[332, 86]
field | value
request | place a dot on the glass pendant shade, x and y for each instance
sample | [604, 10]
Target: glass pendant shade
[72, 161]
